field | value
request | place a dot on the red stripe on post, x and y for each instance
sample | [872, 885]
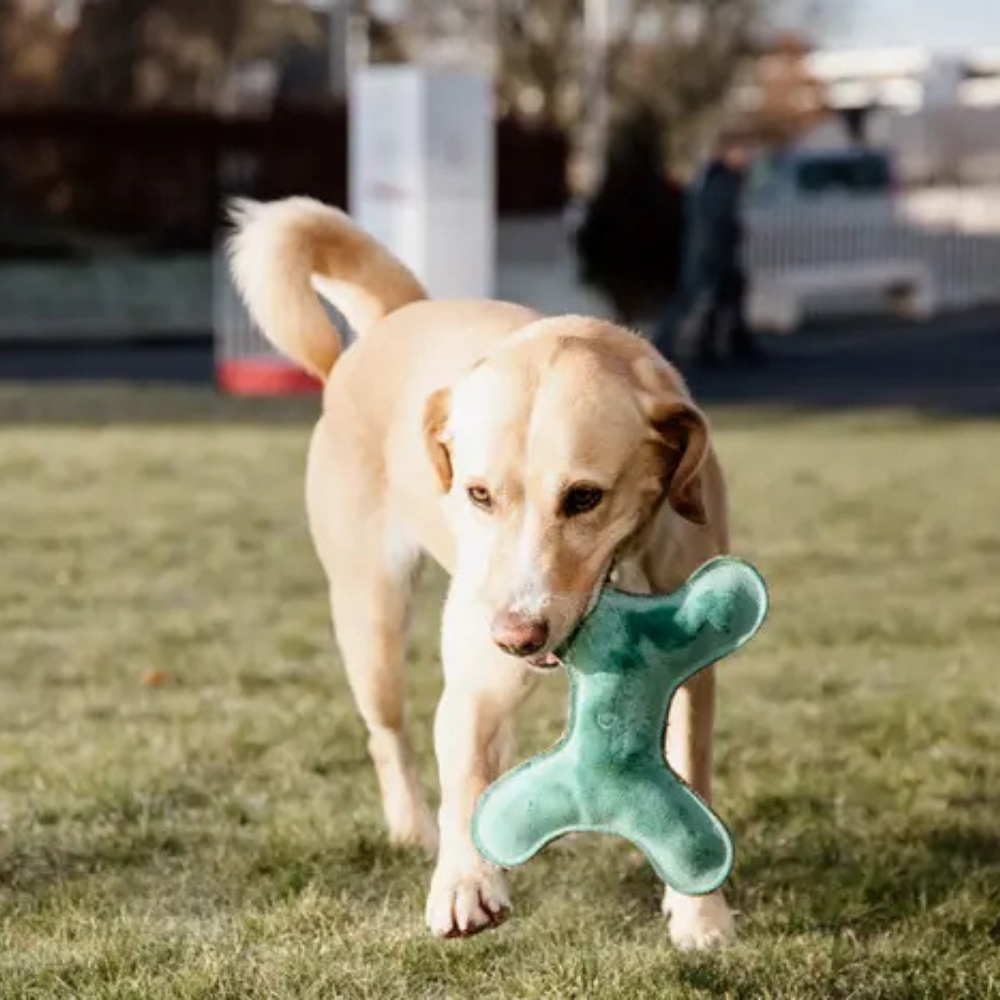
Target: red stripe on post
[264, 378]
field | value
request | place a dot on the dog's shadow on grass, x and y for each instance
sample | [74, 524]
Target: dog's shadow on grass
[813, 873]
[800, 867]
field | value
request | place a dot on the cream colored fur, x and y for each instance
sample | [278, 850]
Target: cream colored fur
[469, 431]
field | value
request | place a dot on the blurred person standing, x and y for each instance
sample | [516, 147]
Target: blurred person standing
[708, 318]
[629, 241]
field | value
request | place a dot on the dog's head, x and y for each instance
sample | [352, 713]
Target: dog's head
[554, 453]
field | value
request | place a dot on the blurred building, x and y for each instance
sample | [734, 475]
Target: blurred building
[940, 114]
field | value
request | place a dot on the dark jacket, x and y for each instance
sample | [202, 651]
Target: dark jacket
[715, 227]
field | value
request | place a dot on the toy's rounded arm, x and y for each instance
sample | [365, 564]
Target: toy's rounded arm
[686, 843]
[716, 612]
[526, 809]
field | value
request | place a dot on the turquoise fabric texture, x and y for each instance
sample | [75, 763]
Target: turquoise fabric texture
[608, 773]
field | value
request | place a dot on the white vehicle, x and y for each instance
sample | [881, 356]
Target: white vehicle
[787, 177]
[825, 225]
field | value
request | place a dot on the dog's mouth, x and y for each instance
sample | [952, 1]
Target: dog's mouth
[544, 661]
[550, 660]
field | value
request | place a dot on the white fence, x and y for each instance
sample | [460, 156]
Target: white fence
[954, 237]
[113, 296]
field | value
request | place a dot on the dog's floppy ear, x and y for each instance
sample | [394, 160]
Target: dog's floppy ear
[680, 430]
[437, 436]
[683, 432]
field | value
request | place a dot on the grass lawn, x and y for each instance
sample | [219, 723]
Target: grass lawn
[218, 833]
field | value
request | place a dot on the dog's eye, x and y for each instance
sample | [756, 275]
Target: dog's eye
[580, 500]
[480, 496]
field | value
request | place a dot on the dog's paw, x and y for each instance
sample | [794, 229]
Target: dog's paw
[462, 904]
[698, 923]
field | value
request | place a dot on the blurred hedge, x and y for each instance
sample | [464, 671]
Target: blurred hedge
[158, 179]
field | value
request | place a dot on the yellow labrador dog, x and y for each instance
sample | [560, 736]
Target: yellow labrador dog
[534, 458]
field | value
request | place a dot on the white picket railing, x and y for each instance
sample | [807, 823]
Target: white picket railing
[954, 237]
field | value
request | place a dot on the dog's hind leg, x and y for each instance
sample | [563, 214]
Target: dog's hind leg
[372, 571]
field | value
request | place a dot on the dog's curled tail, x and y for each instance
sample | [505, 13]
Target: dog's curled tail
[281, 253]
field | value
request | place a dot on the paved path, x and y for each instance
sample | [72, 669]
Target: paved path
[187, 360]
[951, 366]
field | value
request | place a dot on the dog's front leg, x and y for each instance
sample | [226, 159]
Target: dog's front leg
[483, 688]
[695, 921]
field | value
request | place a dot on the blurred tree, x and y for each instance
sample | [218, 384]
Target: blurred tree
[174, 52]
[678, 58]
[629, 242]
[781, 98]
[32, 47]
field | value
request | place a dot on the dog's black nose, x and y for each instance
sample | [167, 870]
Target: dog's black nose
[519, 634]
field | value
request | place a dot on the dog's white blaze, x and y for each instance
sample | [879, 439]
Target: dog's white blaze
[531, 596]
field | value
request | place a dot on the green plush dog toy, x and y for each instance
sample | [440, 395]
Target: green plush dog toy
[608, 773]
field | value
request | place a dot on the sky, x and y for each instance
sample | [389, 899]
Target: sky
[944, 25]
